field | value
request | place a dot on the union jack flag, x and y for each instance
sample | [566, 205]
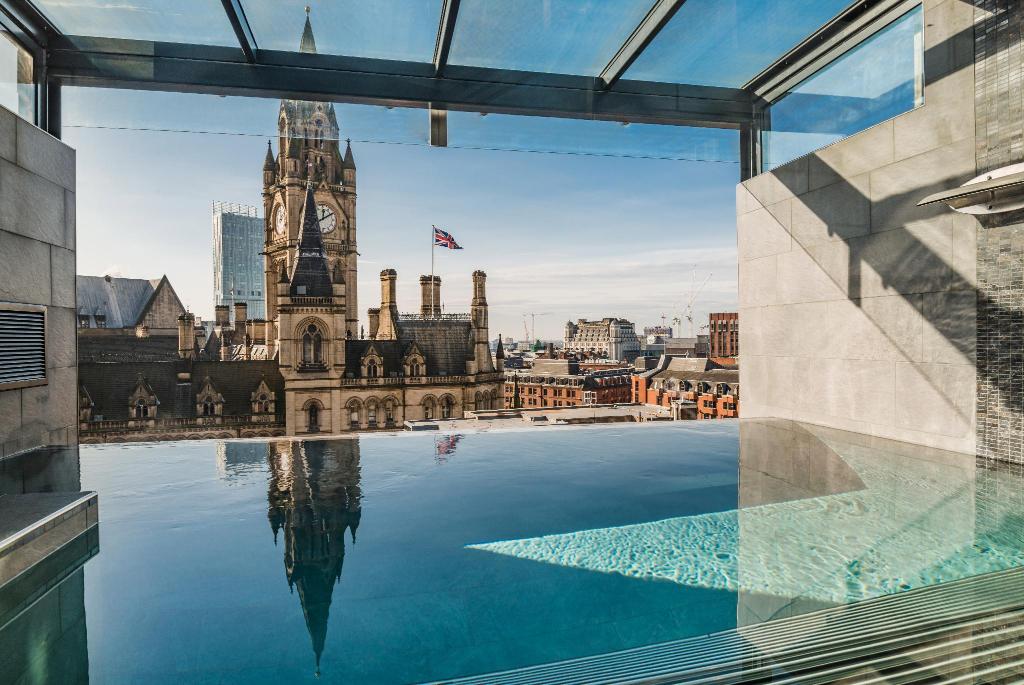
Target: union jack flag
[445, 239]
[445, 446]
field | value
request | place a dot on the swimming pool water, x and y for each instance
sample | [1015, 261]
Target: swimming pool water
[406, 558]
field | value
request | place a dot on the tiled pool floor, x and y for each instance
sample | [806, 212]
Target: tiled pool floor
[393, 559]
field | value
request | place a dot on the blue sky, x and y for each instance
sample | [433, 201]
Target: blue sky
[610, 233]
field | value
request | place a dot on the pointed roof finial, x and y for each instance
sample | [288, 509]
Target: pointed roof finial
[269, 162]
[307, 43]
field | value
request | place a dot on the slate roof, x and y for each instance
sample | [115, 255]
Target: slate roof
[109, 385]
[126, 348]
[446, 345]
[309, 277]
[121, 300]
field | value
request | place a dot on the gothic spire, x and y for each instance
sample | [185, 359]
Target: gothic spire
[500, 352]
[269, 164]
[308, 43]
[349, 162]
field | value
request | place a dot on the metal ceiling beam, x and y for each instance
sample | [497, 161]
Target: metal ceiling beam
[246, 41]
[839, 35]
[145, 65]
[445, 33]
[28, 25]
[659, 15]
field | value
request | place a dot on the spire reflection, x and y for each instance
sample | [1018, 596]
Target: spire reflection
[314, 497]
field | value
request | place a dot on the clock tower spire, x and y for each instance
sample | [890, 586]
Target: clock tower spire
[309, 153]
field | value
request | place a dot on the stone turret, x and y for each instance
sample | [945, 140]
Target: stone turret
[478, 313]
[186, 335]
[387, 329]
[373, 313]
[430, 296]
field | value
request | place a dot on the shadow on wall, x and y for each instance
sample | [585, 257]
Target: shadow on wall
[892, 247]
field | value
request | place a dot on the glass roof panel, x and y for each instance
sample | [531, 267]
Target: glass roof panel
[183, 21]
[591, 137]
[383, 29]
[728, 42]
[166, 112]
[553, 36]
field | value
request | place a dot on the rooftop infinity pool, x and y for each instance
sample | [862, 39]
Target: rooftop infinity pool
[407, 558]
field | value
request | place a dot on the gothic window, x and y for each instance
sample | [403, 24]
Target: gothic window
[262, 405]
[208, 407]
[353, 417]
[313, 418]
[371, 416]
[372, 370]
[312, 346]
[140, 408]
[389, 414]
[447, 404]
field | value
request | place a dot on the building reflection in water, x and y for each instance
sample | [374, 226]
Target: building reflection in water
[314, 498]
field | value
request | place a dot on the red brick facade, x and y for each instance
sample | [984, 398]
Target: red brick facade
[724, 329]
[714, 391]
[564, 390]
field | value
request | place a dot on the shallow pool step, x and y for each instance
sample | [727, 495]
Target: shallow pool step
[33, 526]
[969, 631]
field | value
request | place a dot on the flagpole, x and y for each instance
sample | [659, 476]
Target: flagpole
[432, 246]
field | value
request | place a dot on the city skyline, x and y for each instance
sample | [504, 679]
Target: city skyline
[616, 212]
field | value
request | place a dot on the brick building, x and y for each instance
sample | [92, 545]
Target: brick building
[562, 383]
[724, 329]
[689, 388]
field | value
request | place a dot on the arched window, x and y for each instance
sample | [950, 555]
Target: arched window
[372, 369]
[428, 410]
[353, 417]
[389, 414]
[371, 416]
[208, 408]
[417, 369]
[313, 418]
[140, 408]
[446, 408]
[262, 404]
[312, 346]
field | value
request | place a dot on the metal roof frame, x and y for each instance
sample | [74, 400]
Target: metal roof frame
[436, 85]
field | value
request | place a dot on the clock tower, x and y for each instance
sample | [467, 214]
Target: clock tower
[309, 154]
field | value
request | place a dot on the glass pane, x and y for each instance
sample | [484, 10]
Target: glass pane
[877, 80]
[589, 137]
[554, 36]
[728, 42]
[17, 92]
[183, 21]
[385, 29]
[135, 110]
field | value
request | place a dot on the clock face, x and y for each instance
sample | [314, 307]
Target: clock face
[279, 221]
[326, 218]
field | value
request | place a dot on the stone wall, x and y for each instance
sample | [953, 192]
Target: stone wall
[999, 102]
[858, 307]
[37, 250]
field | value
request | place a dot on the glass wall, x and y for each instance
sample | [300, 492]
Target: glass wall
[879, 79]
[17, 92]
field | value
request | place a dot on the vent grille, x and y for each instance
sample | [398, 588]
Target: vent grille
[22, 346]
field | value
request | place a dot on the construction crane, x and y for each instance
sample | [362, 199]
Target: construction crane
[532, 333]
[692, 297]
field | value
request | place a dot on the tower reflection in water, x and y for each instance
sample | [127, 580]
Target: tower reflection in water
[314, 497]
